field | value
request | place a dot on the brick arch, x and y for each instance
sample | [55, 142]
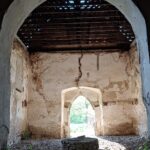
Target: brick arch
[95, 98]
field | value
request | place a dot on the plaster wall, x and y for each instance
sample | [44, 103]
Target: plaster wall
[125, 99]
[13, 19]
[19, 91]
[116, 75]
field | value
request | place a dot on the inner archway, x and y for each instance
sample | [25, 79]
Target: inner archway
[82, 118]
[69, 96]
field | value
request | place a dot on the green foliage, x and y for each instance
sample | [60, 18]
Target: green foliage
[26, 135]
[78, 118]
[30, 147]
[8, 148]
[145, 146]
[78, 111]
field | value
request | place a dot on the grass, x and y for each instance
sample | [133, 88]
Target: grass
[26, 135]
[145, 146]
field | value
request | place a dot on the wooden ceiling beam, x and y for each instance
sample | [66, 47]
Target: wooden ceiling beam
[76, 20]
[86, 50]
[71, 33]
[75, 36]
[75, 5]
[64, 28]
[73, 13]
[120, 46]
[82, 23]
[61, 25]
[63, 31]
[70, 41]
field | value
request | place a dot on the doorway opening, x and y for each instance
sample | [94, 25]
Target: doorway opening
[82, 118]
[82, 95]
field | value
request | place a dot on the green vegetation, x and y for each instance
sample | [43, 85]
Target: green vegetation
[30, 147]
[7, 148]
[82, 117]
[78, 111]
[145, 146]
[26, 135]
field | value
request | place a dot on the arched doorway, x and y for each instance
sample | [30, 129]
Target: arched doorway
[68, 97]
[82, 118]
[12, 21]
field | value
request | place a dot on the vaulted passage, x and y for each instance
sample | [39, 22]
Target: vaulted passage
[75, 70]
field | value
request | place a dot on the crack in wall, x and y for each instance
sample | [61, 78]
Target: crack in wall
[98, 57]
[77, 80]
[36, 75]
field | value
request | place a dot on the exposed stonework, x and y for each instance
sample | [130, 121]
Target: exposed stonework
[128, 97]
[19, 91]
[116, 75]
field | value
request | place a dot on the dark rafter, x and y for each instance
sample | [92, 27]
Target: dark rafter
[72, 25]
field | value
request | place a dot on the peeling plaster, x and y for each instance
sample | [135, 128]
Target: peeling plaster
[12, 21]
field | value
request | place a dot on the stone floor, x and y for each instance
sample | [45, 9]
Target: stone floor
[105, 143]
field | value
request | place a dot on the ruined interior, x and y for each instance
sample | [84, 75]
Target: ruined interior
[68, 48]
[56, 37]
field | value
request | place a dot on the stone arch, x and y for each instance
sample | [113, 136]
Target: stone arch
[90, 111]
[95, 98]
[12, 21]
[87, 99]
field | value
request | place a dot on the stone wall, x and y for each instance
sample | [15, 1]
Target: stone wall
[116, 75]
[19, 91]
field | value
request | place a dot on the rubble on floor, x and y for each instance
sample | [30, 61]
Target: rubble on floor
[105, 143]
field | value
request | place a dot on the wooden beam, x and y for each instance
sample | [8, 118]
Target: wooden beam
[121, 46]
[48, 14]
[82, 36]
[63, 5]
[57, 25]
[75, 39]
[84, 50]
[44, 12]
[82, 23]
[61, 28]
[75, 20]
[69, 33]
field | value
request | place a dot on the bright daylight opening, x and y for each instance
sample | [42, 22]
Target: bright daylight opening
[82, 118]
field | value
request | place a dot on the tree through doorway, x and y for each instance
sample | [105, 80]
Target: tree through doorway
[82, 118]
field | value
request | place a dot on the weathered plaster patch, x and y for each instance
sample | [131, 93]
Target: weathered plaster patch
[19, 91]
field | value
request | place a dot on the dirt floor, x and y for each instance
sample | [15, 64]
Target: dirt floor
[105, 143]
